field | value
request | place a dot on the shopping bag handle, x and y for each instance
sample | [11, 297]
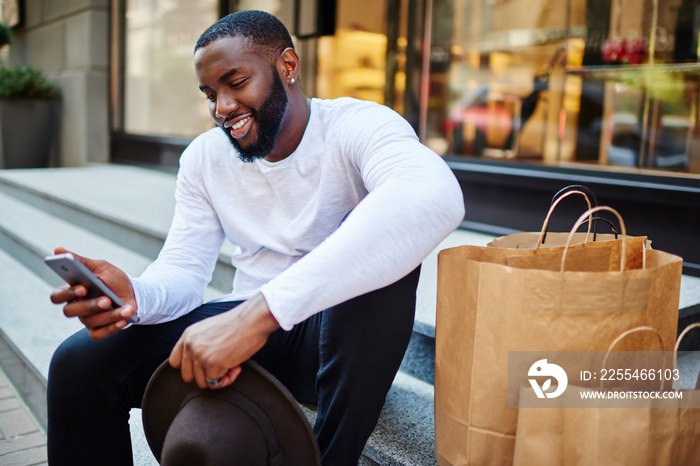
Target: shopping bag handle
[586, 192]
[624, 334]
[676, 383]
[582, 218]
[555, 203]
[602, 219]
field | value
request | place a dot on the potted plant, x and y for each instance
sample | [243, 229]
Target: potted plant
[28, 114]
[5, 35]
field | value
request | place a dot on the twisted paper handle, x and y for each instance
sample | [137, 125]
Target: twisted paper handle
[624, 334]
[581, 219]
[555, 203]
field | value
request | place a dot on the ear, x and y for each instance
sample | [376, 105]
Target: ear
[288, 66]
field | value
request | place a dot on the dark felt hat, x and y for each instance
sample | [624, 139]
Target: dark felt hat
[254, 421]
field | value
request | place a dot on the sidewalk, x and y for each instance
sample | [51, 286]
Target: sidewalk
[22, 442]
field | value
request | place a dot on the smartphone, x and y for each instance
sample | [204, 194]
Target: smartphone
[75, 273]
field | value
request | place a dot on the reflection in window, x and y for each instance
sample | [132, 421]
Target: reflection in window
[362, 59]
[492, 65]
[352, 63]
[598, 82]
[161, 93]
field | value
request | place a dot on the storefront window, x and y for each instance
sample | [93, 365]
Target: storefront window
[161, 96]
[588, 82]
[366, 56]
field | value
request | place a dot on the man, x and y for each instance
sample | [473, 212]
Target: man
[332, 204]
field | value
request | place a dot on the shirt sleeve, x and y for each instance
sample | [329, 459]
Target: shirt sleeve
[413, 203]
[174, 283]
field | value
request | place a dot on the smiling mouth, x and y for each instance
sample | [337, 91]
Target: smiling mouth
[239, 124]
[240, 128]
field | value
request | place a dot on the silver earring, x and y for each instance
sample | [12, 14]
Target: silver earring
[292, 81]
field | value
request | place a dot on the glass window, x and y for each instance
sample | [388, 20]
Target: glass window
[161, 93]
[609, 83]
[366, 57]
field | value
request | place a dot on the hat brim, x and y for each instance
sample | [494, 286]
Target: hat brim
[166, 391]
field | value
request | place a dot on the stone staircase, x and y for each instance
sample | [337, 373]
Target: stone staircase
[122, 214]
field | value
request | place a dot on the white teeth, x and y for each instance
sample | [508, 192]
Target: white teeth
[240, 124]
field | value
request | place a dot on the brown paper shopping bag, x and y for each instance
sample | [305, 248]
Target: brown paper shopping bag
[486, 308]
[646, 432]
[610, 244]
[541, 432]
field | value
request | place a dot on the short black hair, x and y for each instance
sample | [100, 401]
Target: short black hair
[266, 33]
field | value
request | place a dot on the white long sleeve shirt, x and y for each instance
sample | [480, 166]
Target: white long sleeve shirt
[286, 218]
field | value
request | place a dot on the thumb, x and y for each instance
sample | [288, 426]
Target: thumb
[175, 358]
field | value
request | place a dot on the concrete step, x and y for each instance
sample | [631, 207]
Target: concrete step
[30, 234]
[405, 433]
[128, 205]
[77, 195]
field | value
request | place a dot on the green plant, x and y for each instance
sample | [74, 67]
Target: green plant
[659, 83]
[5, 35]
[25, 82]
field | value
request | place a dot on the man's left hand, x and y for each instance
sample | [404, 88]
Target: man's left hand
[216, 347]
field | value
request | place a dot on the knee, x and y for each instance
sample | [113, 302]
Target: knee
[71, 361]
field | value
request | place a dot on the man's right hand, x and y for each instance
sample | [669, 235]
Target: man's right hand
[96, 313]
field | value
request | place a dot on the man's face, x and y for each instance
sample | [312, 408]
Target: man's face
[247, 99]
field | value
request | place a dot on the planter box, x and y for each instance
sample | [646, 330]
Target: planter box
[27, 129]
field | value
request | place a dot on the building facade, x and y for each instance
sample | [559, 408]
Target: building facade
[521, 97]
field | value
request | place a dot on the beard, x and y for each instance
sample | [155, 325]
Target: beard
[269, 119]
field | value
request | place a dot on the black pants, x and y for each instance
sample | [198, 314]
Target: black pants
[344, 359]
